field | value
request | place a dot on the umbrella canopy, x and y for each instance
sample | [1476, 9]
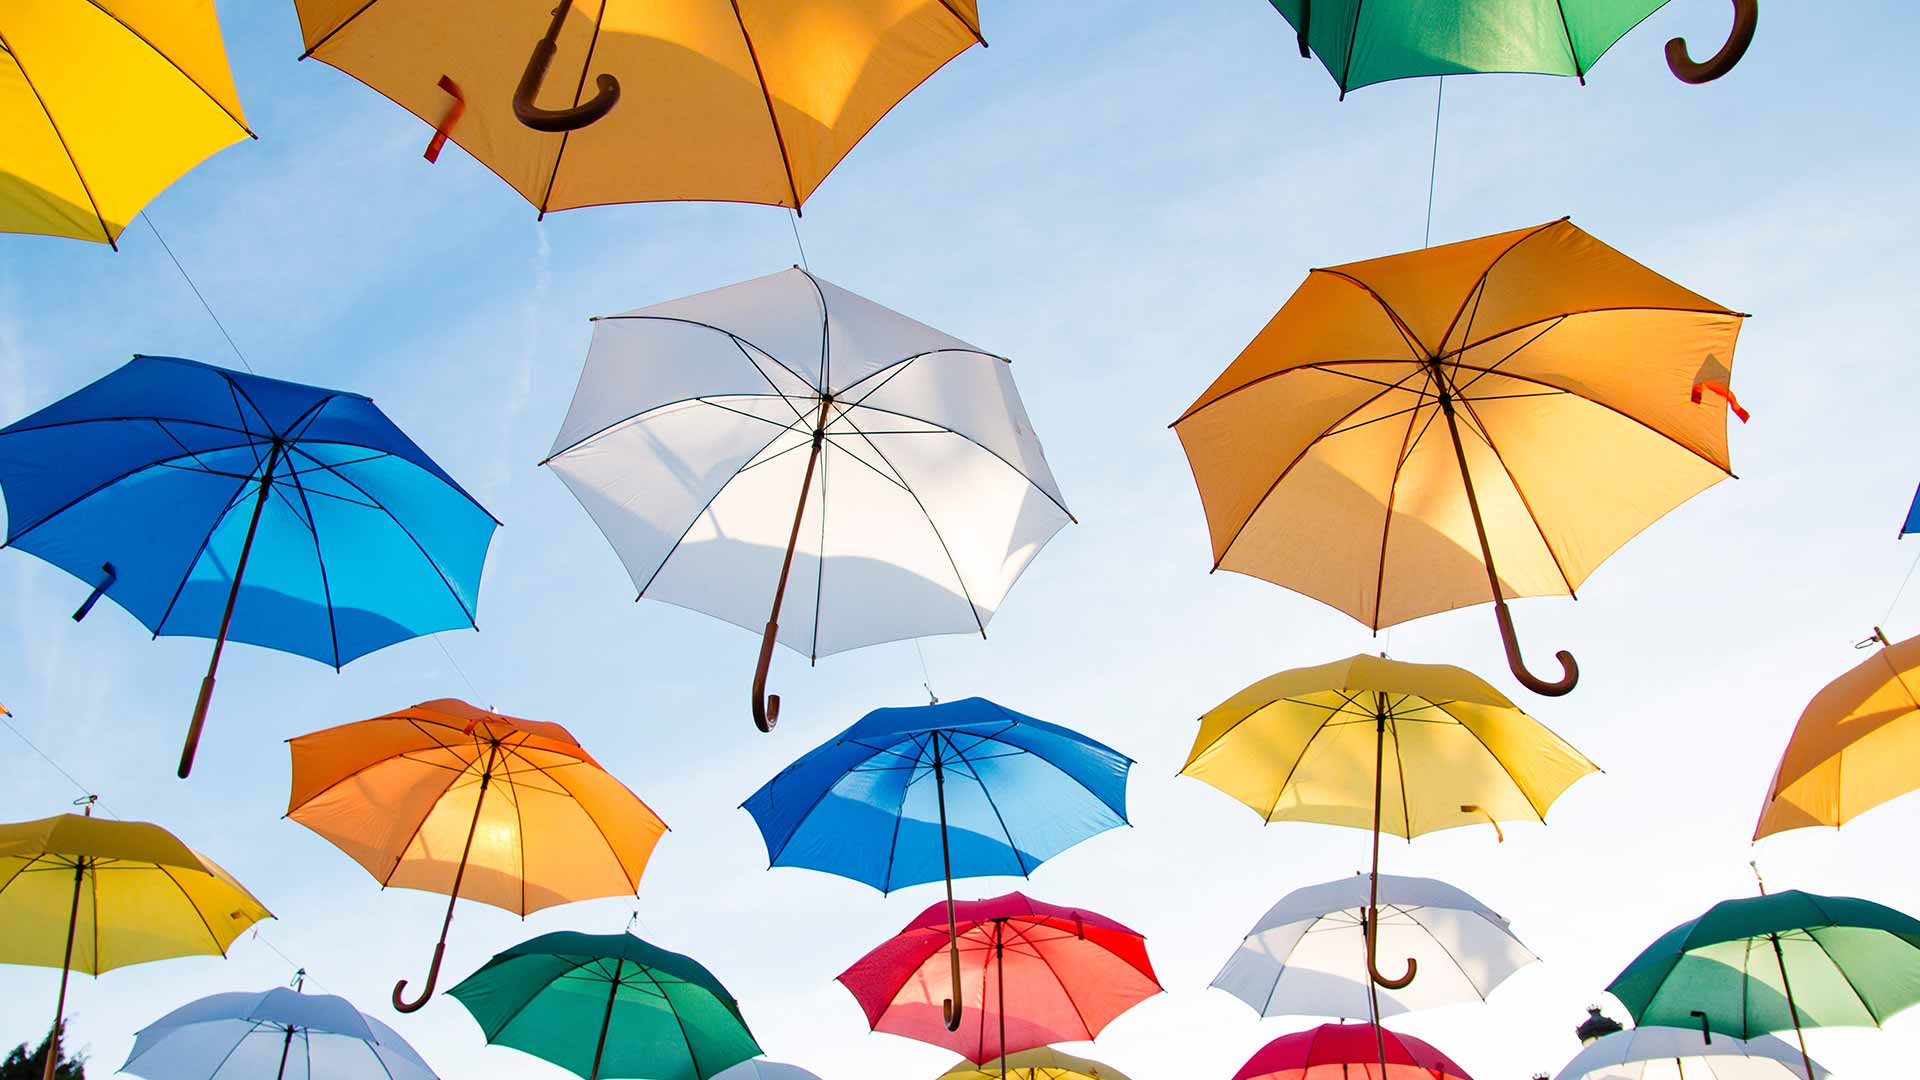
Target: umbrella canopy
[104, 106]
[219, 504]
[448, 798]
[608, 1005]
[1851, 750]
[1471, 422]
[1031, 974]
[1041, 1063]
[743, 101]
[1349, 1052]
[1664, 1053]
[1912, 523]
[762, 1069]
[1307, 955]
[281, 1033]
[786, 427]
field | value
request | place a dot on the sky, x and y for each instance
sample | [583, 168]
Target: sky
[1117, 200]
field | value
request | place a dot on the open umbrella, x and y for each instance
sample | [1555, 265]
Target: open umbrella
[283, 1032]
[873, 803]
[608, 1005]
[1767, 963]
[1853, 746]
[1665, 1053]
[762, 1069]
[1348, 1051]
[534, 819]
[1311, 745]
[1040, 1063]
[1534, 395]
[85, 894]
[1362, 43]
[1057, 975]
[215, 503]
[732, 100]
[1307, 955]
[104, 105]
[726, 440]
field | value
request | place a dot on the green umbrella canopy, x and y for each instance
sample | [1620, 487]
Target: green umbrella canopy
[608, 1005]
[1848, 963]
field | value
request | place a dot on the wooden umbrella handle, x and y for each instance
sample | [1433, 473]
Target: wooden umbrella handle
[559, 120]
[1746, 17]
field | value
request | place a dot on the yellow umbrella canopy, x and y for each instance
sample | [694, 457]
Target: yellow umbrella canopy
[105, 103]
[1854, 746]
[1040, 1063]
[646, 100]
[1472, 422]
[1384, 745]
[449, 798]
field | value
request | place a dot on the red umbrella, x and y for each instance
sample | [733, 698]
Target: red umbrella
[1056, 974]
[1349, 1052]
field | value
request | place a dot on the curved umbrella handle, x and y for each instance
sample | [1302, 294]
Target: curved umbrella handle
[766, 707]
[950, 1008]
[1706, 1031]
[1306, 20]
[1746, 16]
[1373, 970]
[1569, 668]
[433, 979]
[556, 120]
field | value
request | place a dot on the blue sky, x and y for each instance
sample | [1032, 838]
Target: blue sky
[1117, 196]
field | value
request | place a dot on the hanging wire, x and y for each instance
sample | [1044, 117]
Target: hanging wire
[458, 670]
[1901, 591]
[926, 680]
[1433, 166]
[793, 219]
[197, 295]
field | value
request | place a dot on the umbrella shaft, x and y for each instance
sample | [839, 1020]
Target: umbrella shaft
[285, 1046]
[1473, 501]
[1000, 963]
[800, 511]
[606, 1020]
[952, 1013]
[66, 966]
[1792, 1009]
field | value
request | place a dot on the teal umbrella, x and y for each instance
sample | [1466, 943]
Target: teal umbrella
[1771, 962]
[608, 1005]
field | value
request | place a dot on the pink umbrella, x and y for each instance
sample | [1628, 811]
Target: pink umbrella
[1057, 975]
[1349, 1052]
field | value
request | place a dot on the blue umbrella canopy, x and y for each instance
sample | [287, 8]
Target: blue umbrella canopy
[213, 503]
[281, 1033]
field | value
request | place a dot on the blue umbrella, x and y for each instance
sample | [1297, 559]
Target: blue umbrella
[282, 1033]
[166, 482]
[956, 789]
[1912, 524]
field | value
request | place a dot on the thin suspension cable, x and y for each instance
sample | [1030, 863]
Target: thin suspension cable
[926, 680]
[1433, 165]
[793, 220]
[1901, 591]
[197, 295]
[458, 670]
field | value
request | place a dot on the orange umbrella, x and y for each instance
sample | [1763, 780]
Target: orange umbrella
[534, 819]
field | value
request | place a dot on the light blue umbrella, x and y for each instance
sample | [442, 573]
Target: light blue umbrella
[281, 1033]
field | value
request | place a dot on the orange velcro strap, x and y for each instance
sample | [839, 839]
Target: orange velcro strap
[454, 112]
[1721, 390]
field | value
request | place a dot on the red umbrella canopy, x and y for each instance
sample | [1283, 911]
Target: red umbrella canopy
[1065, 974]
[1348, 1052]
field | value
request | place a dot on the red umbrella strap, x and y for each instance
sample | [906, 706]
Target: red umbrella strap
[1721, 390]
[454, 112]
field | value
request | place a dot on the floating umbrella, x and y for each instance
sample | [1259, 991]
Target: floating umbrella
[762, 1069]
[1349, 1050]
[608, 1005]
[535, 819]
[733, 100]
[84, 894]
[1853, 747]
[1072, 972]
[285, 1033]
[1307, 955]
[1311, 745]
[1365, 43]
[106, 106]
[724, 441]
[872, 804]
[1042, 1063]
[1912, 523]
[1767, 963]
[1535, 395]
[1664, 1053]
[166, 482]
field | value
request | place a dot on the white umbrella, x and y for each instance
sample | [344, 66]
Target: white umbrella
[1308, 955]
[282, 1034]
[1664, 1053]
[762, 1069]
[786, 427]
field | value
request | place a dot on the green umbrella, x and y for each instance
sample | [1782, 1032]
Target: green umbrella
[1772, 962]
[608, 1005]
[1362, 42]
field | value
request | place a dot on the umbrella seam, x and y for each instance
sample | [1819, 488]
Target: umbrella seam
[1486, 435]
[893, 844]
[1480, 283]
[344, 23]
[715, 329]
[142, 38]
[975, 30]
[695, 520]
[1848, 979]
[1010, 465]
[586, 65]
[313, 528]
[184, 895]
[1407, 442]
[826, 318]
[693, 1058]
[1539, 812]
[445, 791]
[233, 501]
[1019, 857]
[766, 95]
[104, 485]
[106, 231]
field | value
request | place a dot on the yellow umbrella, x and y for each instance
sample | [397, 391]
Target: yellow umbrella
[453, 799]
[104, 105]
[1395, 747]
[1534, 395]
[728, 100]
[82, 893]
[1040, 1063]
[1854, 746]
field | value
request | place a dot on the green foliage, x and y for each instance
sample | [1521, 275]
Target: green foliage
[21, 1065]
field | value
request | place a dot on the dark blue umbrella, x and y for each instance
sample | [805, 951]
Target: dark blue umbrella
[166, 482]
[1912, 524]
[954, 789]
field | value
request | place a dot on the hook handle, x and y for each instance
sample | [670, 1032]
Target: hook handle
[192, 745]
[433, 979]
[766, 707]
[950, 1008]
[1373, 970]
[107, 577]
[1706, 1033]
[1306, 20]
[1746, 16]
[557, 120]
[1569, 668]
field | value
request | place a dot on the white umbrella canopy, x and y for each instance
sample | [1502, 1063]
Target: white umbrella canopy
[282, 1034]
[1308, 955]
[1664, 1053]
[785, 424]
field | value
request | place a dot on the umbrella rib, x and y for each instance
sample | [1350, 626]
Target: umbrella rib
[239, 492]
[1481, 282]
[718, 330]
[1486, 434]
[1407, 442]
[893, 842]
[773, 119]
[894, 480]
[1600, 404]
[1066, 993]
[1538, 811]
[975, 31]
[819, 564]
[1019, 857]
[326, 589]
[586, 65]
[1414, 344]
[1848, 979]
[106, 231]
[184, 895]
[142, 38]
[1281, 791]
[756, 461]
[329, 35]
[235, 1048]
[826, 337]
[969, 438]
[692, 1057]
[1400, 769]
[422, 823]
[547, 772]
[704, 507]
[1461, 390]
[102, 486]
[798, 414]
